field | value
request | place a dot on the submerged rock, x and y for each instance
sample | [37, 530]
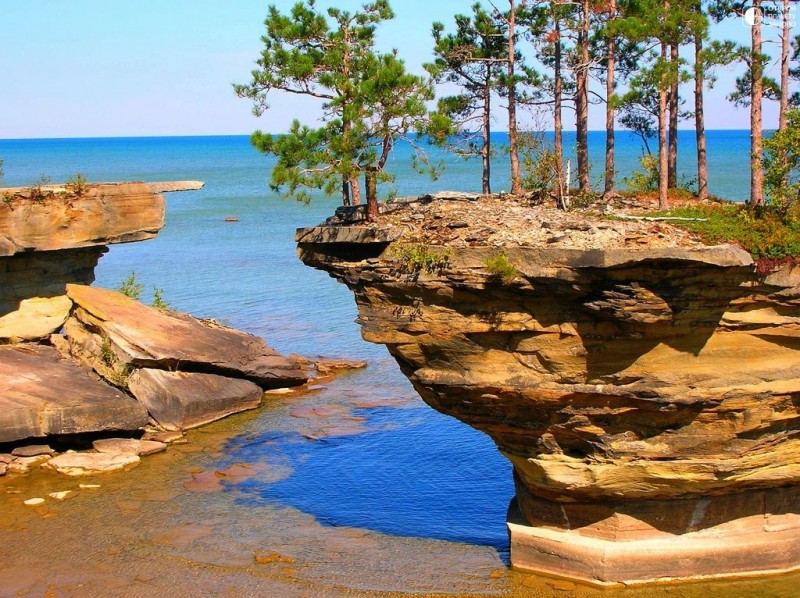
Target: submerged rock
[85, 464]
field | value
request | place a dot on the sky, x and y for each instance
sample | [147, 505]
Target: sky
[106, 68]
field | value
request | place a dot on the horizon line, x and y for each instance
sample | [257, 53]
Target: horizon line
[196, 135]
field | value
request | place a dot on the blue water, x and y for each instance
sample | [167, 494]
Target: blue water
[413, 471]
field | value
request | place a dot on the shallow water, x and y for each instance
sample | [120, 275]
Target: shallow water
[357, 488]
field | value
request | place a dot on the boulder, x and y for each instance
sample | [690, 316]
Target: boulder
[84, 464]
[43, 394]
[110, 330]
[36, 318]
[179, 400]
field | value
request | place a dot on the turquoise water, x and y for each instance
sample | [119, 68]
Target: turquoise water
[410, 471]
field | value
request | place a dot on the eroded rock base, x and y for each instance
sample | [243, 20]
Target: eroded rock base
[754, 533]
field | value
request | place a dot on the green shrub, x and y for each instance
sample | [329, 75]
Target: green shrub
[765, 231]
[76, 185]
[415, 258]
[500, 267]
[130, 288]
[158, 299]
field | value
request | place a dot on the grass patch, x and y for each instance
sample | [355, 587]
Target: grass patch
[765, 232]
[415, 258]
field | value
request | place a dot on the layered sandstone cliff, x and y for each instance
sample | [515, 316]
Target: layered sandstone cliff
[644, 386]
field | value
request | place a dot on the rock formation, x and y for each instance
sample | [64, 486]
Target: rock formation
[183, 371]
[645, 388]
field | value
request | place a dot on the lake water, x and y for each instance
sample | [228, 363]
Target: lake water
[359, 487]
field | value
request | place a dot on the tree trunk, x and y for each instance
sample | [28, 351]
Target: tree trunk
[756, 121]
[516, 185]
[355, 191]
[674, 103]
[663, 158]
[785, 45]
[486, 149]
[371, 185]
[784, 103]
[609, 175]
[582, 101]
[699, 120]
[345, 191]
[558, 145]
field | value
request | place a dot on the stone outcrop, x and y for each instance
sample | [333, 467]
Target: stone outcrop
[186, 372]
[43, 395]
[648, 396]
[51, 237]
[122, 333]
[54, 218]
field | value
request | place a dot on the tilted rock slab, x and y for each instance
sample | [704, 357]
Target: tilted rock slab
[42, 394]
[649, 399]
[181, 400]
[114, 333]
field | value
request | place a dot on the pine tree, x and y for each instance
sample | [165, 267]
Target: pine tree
[472, 58]
[368, 99]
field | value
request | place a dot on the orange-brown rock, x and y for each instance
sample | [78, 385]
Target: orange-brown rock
[53, 235]
[112, 332]
[639, 389]
[43, 395]
[54, 218]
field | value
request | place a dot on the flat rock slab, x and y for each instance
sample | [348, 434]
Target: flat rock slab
[128, 446]
[83, 464]
[180, 400]
[33, 450]
[36, 318]
[142, 336]
[102, 213]
[169, 186]
[43, 394]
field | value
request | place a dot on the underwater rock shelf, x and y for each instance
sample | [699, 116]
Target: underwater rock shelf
[646, 394]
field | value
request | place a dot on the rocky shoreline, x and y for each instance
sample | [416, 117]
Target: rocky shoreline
[79, 363]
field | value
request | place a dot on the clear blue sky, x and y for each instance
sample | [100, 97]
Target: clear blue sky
[86, 68]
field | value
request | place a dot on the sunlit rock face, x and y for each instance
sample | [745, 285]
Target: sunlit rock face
[56, 236]
[647, 397]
